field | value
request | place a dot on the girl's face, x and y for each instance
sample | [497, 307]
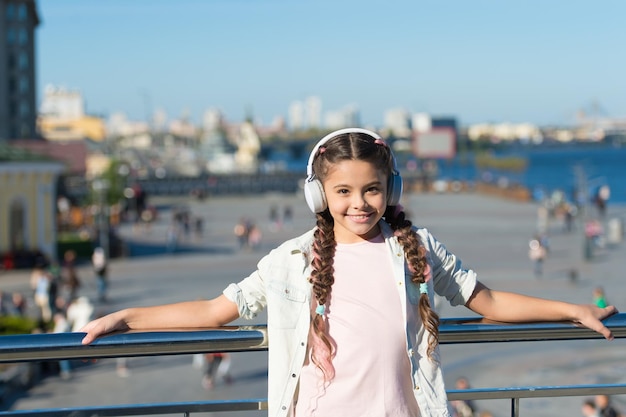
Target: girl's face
[356, 193]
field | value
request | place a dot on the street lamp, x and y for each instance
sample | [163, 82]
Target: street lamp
[100, 187]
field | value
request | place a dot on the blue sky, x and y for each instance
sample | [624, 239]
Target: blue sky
[482, 61]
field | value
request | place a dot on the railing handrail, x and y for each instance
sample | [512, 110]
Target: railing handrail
[34, 347]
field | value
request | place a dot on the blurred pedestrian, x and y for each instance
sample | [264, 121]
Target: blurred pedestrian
[217, 365]
[537, 254]
[99, 262]
[605, 407]
[599, 298]
[71, 281]
[61, 325]
[242, 232]
[462, 408]
[588, 409]
[254, 237]
[40, 283]
[79, 312]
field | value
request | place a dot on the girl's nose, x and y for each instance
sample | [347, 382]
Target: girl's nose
[359, 201]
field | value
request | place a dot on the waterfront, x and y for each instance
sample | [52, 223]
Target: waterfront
[489, 234]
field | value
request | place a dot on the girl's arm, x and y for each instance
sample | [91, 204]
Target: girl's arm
[511, 307]
[191, 314]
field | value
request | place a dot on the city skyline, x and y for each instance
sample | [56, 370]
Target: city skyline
[479, 62]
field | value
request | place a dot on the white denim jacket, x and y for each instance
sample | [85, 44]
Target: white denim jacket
[281, 285]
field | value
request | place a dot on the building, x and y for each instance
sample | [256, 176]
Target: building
[27, 207]
[62, 117]
[18, 110]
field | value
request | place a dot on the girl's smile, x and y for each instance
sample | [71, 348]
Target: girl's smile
[356, 193]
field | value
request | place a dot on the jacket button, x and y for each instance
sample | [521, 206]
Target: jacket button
[283, 407]
[293, 375]
[417, 387]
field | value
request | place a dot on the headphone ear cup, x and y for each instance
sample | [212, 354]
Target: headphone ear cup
[314, 195]
[394, 193]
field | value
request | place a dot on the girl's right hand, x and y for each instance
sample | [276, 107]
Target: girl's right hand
[104, 325]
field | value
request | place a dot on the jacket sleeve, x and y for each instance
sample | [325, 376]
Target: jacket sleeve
[450, 279]
[250, 293]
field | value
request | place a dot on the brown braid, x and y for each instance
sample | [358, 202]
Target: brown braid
[322, 277]
[415, 254]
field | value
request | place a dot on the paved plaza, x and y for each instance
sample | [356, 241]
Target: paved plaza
[491, 235]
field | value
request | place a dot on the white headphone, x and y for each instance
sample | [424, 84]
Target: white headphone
[314, 191]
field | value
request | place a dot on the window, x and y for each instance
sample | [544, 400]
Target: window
[24, 85]
[22, 61]
[10, 11]
[22, 13]
[11, 36]
[22, 37]
[24, 109]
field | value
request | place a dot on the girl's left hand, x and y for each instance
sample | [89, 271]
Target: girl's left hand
[590, 316]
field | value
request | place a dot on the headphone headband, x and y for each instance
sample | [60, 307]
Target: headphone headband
[309, 167]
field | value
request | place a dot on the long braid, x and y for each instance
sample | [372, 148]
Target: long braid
[415, 254]
[322, 278]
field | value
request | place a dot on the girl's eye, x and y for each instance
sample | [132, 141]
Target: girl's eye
[373, 190]
[342, 191]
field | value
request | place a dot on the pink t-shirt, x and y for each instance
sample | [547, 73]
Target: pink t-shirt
[372, 370]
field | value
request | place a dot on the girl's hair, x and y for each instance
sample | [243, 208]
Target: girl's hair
[362, 147]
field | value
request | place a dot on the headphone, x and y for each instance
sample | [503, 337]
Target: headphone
[314, 191]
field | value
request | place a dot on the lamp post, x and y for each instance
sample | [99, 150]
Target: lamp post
[100, 187]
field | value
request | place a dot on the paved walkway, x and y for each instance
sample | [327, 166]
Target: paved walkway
[489, 234]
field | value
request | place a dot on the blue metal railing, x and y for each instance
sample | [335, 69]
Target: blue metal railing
[38, 347]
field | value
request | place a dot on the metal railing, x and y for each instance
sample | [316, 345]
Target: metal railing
[38, 347]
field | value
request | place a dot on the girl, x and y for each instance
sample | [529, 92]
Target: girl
[350, 322]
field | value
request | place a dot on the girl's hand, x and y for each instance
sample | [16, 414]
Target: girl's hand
[590, 316]
[104, 325]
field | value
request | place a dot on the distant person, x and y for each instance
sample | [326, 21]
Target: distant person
[40, 282]
[601, 200]
[19, 305]
[599, 298]
[242, 232]
[79, 313]
[288, 217]
[463, 408]
[99, 263]
[274, 219]
[367, 270]
[588, 409]
[217, 365]
[605, 407]
[61, 325]
[71, 281]
[254, 237]
[537, 254]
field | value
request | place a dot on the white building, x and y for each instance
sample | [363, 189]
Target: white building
[62, 103]
[296, 115]
[397, 121]
[313, 109]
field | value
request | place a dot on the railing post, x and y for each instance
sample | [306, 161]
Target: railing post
[515, 407]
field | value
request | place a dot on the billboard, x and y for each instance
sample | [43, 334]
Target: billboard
[436, 143]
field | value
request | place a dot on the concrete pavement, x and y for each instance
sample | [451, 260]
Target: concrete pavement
[491, 236]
